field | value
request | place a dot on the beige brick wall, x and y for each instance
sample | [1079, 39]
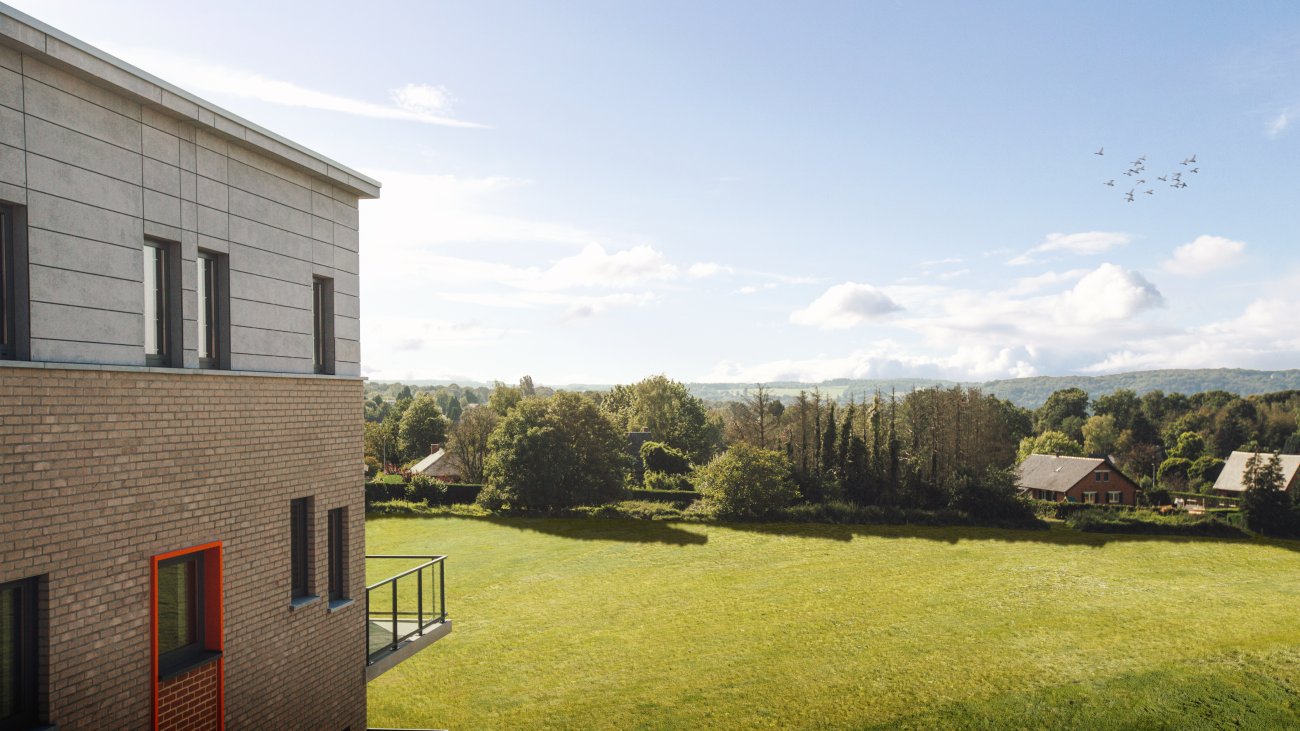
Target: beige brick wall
[102, 469]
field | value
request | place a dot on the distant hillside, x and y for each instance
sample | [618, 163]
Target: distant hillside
[1032, 392]
[1027, 392]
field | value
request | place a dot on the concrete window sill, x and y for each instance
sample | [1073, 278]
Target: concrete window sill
[303, 601]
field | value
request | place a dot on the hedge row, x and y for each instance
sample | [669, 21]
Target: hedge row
[1150, 523]
[663, 496]
[436, 494]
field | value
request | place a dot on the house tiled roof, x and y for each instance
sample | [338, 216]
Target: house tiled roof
[1234, 470]
[1058, 474]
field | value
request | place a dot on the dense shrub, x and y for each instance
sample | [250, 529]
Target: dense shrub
[665, 481]
[659, 457]
[383, 491]
[992, 497]
[426, 489]
[372, 467]
[662, 496]
[554, 453]
[746, 482]
[1266, 508]
[1152, 523]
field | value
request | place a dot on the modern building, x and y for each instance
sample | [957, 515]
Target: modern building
[1075, 479]
[181, 510]
[1231, 481]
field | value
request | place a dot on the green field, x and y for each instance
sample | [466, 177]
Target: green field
[611, 624]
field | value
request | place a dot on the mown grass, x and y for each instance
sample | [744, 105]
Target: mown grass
[614, 624]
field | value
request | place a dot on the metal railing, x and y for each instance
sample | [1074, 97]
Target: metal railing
[404, 605]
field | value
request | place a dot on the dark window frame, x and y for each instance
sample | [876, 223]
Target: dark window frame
[14, 306]
[26, 642]
[338, 551]
[168, 305]
[212, 317]
[300, 564]
[322, 309]
[179, 659]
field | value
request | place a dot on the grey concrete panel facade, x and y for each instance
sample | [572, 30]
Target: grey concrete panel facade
[104, 155]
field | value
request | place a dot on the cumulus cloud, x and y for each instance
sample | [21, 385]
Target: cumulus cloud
[1106, 294]
[844, 306]
[412, 102]
[1088, 242]
[1204, 255]
[703, 269]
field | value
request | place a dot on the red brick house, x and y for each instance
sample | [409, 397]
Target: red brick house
[1076, 480]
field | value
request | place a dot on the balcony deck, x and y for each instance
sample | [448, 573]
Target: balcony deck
[405, 613]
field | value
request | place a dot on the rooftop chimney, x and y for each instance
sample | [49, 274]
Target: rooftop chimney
[433, 448]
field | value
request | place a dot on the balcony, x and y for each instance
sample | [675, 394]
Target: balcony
[406, 612]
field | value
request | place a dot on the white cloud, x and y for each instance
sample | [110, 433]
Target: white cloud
[1106, 294]
[419, 210]
[1088, 242]
[1030, 285]
[1204, 255]
[412, 100]
[885, 360]
[1279, 124]
[1266, 335]
[702, 269]
[421, 98]
[845, 305]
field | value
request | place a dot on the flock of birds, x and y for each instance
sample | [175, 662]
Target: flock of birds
[1137, 169]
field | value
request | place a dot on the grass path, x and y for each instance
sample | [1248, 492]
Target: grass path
[643, 625]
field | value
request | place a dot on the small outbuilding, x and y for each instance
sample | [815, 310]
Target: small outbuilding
[1076, 480]
[440, 465]
[1231, 482]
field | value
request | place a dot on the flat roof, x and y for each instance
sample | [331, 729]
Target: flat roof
[29, 35]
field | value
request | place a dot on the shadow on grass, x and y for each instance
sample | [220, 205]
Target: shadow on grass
[1057, 534]
[584, 529]
[633, 530]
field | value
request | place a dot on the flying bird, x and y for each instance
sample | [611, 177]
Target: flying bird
[1151, 192]
[1192, 159]
[1140, 181]
[1163, 178]
[1129, 196]
[1195, 170]
[1110, 182]
[1100, 151]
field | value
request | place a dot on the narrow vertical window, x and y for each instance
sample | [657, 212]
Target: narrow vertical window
[211, 299]
[180, 613]
[18, 657]
[6, 286]
[323, 324]
[338, 554]
[156, 330]
[300, 547]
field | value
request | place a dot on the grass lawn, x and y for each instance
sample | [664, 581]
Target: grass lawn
[611, 624]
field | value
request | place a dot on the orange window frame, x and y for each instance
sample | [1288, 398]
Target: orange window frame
[214, 621]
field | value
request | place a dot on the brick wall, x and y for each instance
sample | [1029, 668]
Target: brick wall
[101, 470]
[188, 702]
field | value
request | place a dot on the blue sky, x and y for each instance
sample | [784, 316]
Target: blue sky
[595, 192]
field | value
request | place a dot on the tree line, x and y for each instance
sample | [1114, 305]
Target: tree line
[928, 448]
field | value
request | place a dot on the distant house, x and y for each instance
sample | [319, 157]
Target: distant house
[440, 465]
[1076, 480]
[1231, 479]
